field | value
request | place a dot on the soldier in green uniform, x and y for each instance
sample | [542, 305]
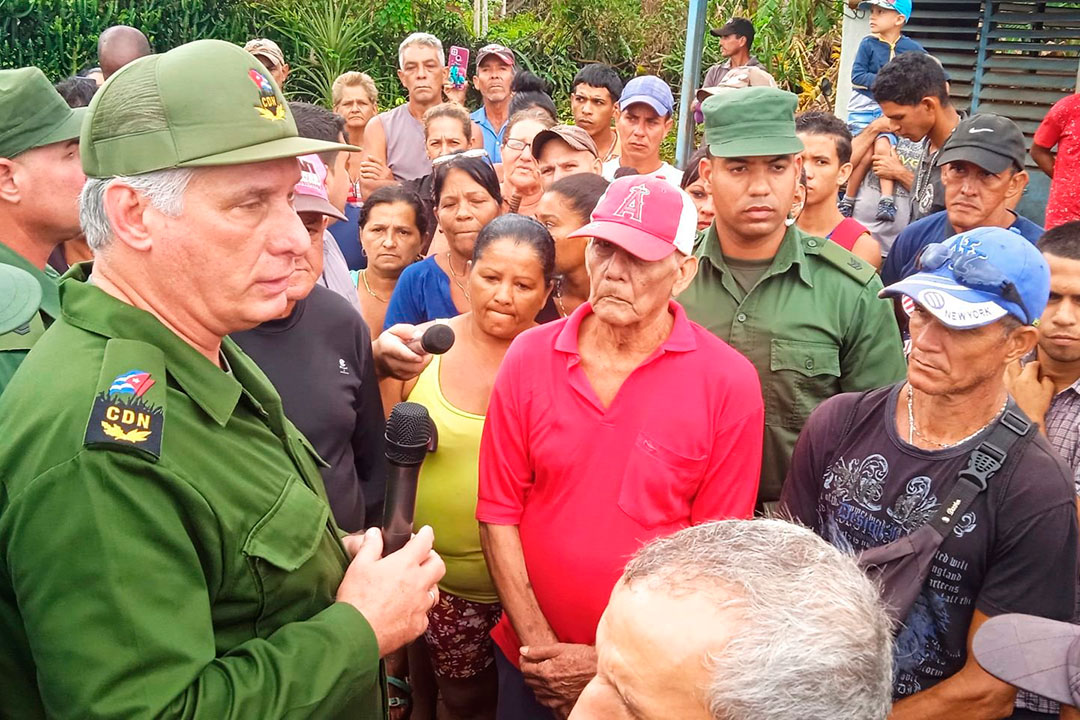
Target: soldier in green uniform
[802, 309]
[166, 547]
[40, 180]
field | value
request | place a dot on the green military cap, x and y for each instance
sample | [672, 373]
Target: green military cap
[751, 122]
[32, 113]
[20, 297]
[205, 103]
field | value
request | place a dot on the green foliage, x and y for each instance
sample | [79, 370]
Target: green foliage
[60, 36]
[797, 39]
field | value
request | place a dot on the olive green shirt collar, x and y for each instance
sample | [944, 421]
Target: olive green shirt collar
[47, 278]
[215, 391]
[792, 251]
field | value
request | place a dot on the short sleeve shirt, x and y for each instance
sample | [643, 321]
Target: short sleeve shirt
[1061, 128]
[422, 293]
[492, 137]
[813, 327]
[900, 262]
[1013, 551]
[588, 485]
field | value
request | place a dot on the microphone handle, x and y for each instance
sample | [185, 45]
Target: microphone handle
[400, 506]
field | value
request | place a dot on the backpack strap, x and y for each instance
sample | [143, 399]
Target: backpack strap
[984, 462]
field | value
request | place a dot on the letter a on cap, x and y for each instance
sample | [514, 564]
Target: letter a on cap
[634, 203]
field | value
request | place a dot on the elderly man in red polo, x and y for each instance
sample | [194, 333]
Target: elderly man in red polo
[619, 424]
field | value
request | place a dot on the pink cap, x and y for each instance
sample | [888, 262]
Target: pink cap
[646, 216]
[311, 190]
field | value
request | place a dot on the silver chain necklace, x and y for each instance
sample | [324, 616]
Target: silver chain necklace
[913, 431]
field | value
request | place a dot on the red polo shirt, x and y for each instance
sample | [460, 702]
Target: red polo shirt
[588, 486]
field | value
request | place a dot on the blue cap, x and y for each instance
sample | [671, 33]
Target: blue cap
[650, 90]
[978, 277]
[901, 6]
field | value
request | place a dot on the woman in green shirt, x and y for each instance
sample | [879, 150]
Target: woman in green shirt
[508, 282]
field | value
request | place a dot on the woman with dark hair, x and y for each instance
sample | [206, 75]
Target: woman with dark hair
[699, 190]
[522, 186]
[393, 226]
[467, 197]
[565, 207]
[508, 281]
[531, 92]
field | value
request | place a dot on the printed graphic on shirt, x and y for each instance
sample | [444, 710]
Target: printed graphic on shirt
[343, 367]
[857, 514]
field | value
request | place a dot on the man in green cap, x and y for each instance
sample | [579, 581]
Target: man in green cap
[167, 547]
[40, 180]
[802, 309]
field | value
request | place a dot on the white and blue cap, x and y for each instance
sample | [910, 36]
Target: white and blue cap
[650, 90]
[978, 277]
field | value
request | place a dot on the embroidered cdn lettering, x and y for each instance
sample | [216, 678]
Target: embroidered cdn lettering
[128, 417]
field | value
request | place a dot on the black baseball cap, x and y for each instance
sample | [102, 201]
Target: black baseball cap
[992, 142]
[736, 26]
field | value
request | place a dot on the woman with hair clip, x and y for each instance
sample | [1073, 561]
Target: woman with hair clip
[467, 197]
[508, 281]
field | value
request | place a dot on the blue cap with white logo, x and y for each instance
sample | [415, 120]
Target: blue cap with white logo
[901, 6]
[978, 277]
[650, 90]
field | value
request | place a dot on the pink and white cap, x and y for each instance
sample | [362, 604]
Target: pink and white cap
[646, 216]
[310, 192]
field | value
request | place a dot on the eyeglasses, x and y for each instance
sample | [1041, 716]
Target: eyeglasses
[451, 157]
[973, 271]
[515, 144]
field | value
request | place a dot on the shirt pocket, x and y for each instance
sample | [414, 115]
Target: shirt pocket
[804, 374]
[659, 484]
[283, 541]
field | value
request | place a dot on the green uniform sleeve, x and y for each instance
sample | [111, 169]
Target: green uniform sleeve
[873, 355]
[116, 565]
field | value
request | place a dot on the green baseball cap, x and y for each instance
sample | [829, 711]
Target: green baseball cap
[20, 297]
[32, 113]
[205, 103]
[751, 122]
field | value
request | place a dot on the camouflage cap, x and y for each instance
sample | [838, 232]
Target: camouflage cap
[205, 103]
[32, 113]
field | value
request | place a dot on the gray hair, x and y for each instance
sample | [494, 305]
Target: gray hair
[163, 188]
[813, 640]
[423, 40]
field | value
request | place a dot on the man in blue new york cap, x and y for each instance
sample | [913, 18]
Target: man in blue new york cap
[870, 468]
[646, 108]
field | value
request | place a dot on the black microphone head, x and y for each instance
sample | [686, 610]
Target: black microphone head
[408, 432]
[437, 339]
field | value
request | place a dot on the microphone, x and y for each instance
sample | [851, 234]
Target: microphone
[410, 434]
[436, 340]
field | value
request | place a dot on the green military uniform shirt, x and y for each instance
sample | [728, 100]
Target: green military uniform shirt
[167, 548]
[813, 326]
[15, 345]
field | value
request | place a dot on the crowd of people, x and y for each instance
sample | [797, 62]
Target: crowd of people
[790, 432]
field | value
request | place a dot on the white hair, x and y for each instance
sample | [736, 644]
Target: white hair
[163, 188]
[421, 39]
[812, 642]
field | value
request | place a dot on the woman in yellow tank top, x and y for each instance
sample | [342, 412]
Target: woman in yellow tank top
[507, 284]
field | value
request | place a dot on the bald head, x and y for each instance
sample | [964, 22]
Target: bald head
[119, 45]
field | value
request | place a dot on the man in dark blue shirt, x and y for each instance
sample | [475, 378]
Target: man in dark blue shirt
[982, 169]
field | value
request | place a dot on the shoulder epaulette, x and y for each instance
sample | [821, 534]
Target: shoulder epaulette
[24, 336]
[855, 267]
[129, 406]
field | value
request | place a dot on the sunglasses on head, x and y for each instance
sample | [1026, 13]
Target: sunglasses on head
[451, 157]
[973, 271]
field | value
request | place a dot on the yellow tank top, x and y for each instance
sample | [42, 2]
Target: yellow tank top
[446, 495]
